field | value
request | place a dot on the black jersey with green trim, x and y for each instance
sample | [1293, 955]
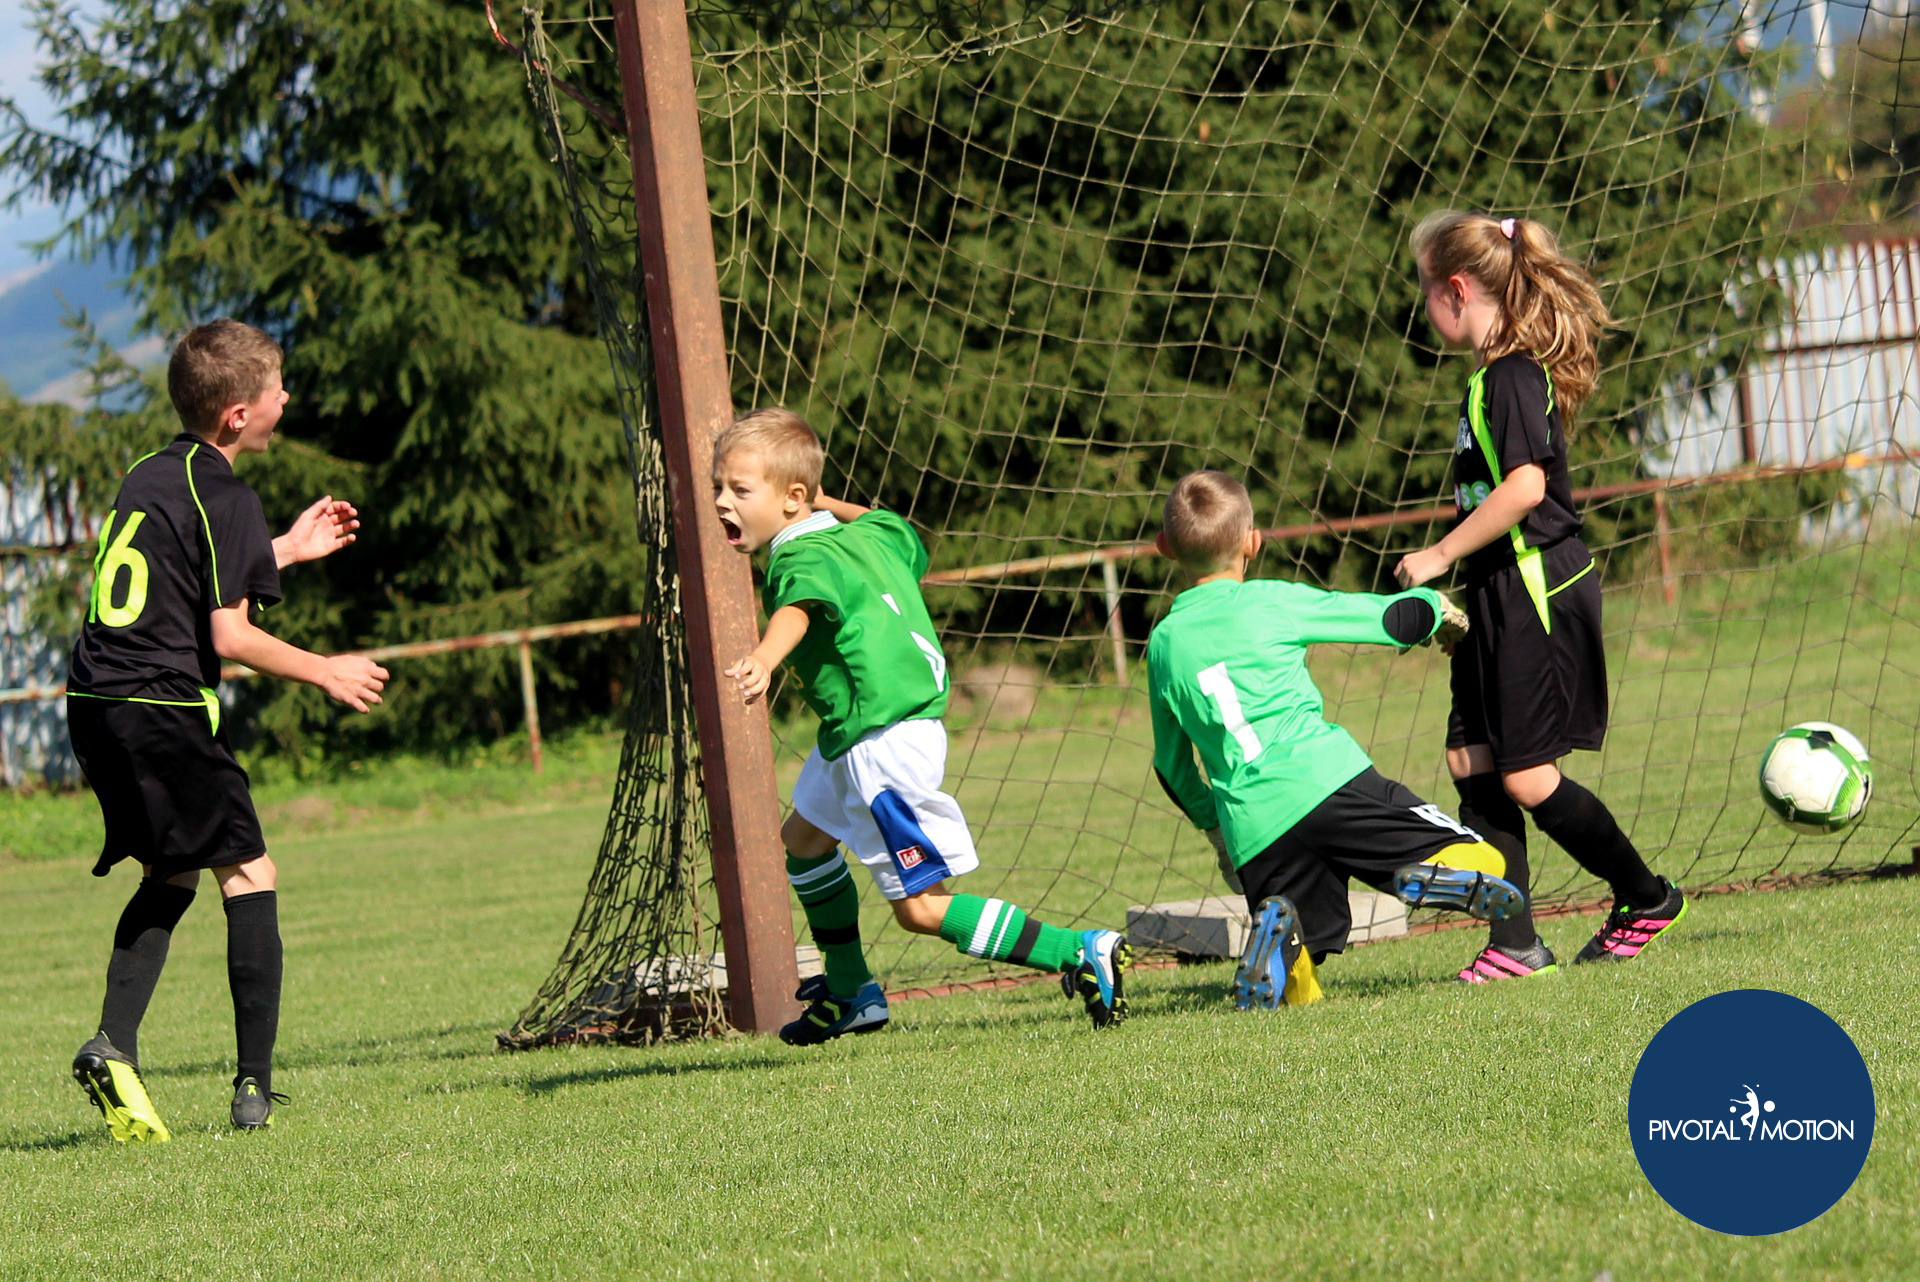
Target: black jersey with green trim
[1508, 419]
[184, 538]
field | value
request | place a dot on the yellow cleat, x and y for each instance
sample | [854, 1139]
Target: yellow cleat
[1303, 982]
[112, 1082]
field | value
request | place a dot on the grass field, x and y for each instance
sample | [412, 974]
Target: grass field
[1405, 1127]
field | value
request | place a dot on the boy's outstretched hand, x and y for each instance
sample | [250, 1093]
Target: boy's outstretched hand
[752, 677]
[323, 529]
[354, 680]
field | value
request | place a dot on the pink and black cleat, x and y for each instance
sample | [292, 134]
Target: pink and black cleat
[1629, 930]
[1495, 963]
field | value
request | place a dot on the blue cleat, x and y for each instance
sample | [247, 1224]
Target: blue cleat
[1104, 958]
[1257, 982]
[829, 1017]
[1478, 894]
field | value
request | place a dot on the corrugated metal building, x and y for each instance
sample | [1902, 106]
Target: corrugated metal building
[1840, 378]
[33, 735]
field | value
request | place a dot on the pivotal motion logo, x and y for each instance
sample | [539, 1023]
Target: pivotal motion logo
[1751, 1112]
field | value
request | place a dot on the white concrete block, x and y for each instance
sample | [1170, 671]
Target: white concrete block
[1218, 925]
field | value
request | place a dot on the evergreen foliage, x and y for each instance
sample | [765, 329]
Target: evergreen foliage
[1026, 290]
[362, 180]
[1020, 280]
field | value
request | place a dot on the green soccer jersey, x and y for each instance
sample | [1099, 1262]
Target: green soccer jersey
[870, 658]
[1228, 680]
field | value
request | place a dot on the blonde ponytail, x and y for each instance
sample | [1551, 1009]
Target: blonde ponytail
[1549, 306]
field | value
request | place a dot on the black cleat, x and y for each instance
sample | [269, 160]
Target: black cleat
[253, 1107]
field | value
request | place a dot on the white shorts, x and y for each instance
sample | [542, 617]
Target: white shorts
[882, 800]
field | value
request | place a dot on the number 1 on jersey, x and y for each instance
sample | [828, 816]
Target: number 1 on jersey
[1218, 686]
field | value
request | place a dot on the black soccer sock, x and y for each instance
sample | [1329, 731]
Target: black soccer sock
[1486, 808]
[1586, 829]
[253, 973]
[139, 953]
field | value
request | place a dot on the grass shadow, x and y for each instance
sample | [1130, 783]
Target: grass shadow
[52, 1143]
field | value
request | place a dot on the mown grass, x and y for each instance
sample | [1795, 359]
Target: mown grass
[1071, 824]
[1405, 1127]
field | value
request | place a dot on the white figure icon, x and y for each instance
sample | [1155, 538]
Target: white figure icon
[1752, 1101]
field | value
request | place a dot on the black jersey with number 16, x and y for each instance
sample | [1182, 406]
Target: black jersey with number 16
[185, 537]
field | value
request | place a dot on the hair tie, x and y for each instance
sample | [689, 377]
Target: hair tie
[1506, 228]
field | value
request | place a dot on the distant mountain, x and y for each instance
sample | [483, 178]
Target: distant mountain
[36, 350]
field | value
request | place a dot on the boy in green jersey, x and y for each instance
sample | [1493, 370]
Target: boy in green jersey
[845, 615]
[1290, 801]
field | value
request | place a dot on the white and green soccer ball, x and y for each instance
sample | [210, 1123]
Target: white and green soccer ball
[1815, 777]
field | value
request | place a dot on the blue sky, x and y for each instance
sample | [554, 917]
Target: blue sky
[17, 52]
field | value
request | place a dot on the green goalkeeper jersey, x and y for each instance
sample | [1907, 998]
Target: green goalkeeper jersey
[1228, 680]
[870, 657]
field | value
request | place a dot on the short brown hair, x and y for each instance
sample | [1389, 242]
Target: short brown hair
[787, 448]
[220, 363]
[1208, 516]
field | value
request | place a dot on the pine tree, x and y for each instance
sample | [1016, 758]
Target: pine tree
[363, 180]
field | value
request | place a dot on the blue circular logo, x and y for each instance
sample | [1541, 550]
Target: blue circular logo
[1751, 1112]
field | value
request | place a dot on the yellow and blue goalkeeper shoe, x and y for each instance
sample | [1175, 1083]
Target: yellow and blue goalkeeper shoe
[828, 1016]
[112, 1082]
[1276, 970]
[1098, 980]
[1478, 894]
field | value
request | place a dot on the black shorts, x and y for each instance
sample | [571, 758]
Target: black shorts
[169, 789]
[1532, 695]
[1367, 830]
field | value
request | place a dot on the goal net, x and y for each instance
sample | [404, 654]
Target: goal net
[1023, 265]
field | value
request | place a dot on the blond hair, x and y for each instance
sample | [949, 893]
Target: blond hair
[1549, 306]
[219, 364]
[1208, 516]
[787, 448]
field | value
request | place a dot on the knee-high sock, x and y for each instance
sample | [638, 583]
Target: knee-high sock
[827, 896]
[998, 931]
[253, 973]
[140, 944]
[1586, 829]
[1486, 808]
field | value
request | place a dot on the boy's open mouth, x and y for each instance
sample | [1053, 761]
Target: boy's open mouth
[732, 528]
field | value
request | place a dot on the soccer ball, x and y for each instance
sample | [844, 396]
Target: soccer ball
[1814, 777]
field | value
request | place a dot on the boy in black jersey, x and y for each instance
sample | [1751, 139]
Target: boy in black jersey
[184, 557]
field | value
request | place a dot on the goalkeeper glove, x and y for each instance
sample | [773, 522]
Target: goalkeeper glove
[1218, 839]
[1453, 624]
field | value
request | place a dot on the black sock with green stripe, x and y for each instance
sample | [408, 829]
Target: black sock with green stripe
[998, 931]
[827, 896]
[140, 944]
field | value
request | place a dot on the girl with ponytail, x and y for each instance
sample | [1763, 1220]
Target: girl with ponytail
[1529, 682]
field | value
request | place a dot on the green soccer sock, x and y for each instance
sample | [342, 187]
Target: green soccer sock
[832, 905]
[998, 931]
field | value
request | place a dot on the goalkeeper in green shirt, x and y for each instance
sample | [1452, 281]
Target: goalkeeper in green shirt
[846, 617]
[1291, 802]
